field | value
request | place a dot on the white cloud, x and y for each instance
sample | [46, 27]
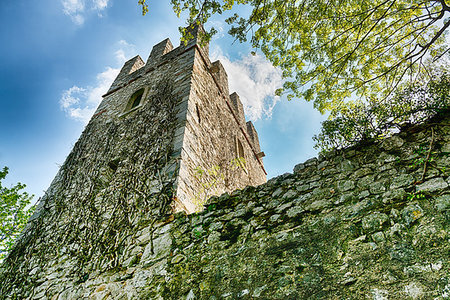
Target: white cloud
[124, 43]
[126, 51]
[80, 103]
[120, 55]
[68, 99]
[255, 80]
[100, 4]
[76, 9]
[73, 6]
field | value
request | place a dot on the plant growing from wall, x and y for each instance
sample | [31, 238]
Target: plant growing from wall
[374, 119]
[212, 179]
[14, 213]
[208, 181]
[416, 196]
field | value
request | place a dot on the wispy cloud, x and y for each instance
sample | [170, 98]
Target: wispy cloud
[255, 80]
[219, 27]
[74, 9]
[80, 103]
[124, 51]
[78, 9]
[100, 4]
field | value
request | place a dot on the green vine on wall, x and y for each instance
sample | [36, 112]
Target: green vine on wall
[111, 186]
[211, 181]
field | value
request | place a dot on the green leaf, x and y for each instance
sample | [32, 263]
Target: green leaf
[14, 213]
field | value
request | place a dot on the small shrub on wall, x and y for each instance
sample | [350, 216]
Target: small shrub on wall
[373, 120]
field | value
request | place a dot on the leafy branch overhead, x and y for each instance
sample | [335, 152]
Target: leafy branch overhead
[330, 51]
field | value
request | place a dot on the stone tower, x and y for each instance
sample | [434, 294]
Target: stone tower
[166, 136]
[206, 125]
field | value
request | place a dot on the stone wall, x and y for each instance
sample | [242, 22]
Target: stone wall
[368, 222]
[214, 130]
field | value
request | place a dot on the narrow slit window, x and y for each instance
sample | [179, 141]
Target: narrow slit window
[240, 149]
[198, 112]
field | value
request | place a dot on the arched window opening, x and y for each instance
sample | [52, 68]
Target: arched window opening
[240, 156]
[135, 99]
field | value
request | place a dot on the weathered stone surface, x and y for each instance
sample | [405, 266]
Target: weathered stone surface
[392, 143]
[157, 249]
[432, 185]
[443, 202]
[411, 213]
[402, 181]
[346, 185]
[374, 222]
[362, 231]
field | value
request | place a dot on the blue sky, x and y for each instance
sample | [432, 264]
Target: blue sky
[57, 57]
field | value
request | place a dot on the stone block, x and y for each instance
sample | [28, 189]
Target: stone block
[157, 249]
[411, 213]
[374, 222]
[432, 185]
[442, 203]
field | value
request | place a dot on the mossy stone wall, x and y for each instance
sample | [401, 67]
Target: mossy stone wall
[371, 222]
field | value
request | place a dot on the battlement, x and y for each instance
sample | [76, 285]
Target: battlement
[161, 53]
[158, 51]
[251, 130]
[238, 108]
[220, 75]
[129, 70]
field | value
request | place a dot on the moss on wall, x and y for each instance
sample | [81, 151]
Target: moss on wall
[367, 222]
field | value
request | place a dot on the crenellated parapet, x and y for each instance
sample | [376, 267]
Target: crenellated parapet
[238, 108]
[251, 130]
[158, 52]
[161, 53]
[220, 75]
[128, 71]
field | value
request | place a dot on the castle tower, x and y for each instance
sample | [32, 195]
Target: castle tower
[166, 136]
[213, 149]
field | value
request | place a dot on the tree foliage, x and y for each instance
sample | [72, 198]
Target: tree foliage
[13, 213]
[377, 119]
[332, 50]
